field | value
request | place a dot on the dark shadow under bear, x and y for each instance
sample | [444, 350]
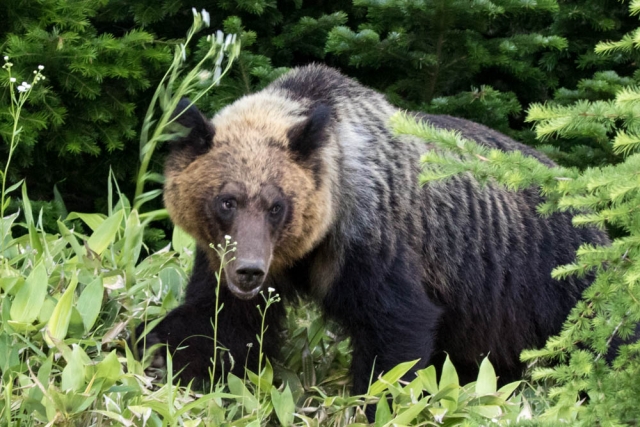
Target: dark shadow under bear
[324, 202]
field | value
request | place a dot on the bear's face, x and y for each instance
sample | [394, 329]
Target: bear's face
[243, 176]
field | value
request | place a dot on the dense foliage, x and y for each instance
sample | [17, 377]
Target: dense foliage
[89, 138]
[483, 60]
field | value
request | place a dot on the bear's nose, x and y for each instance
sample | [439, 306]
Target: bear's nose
[250, 274]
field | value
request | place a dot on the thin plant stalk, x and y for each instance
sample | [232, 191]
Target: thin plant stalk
[15, 110]
[228, 248]
[190, 85]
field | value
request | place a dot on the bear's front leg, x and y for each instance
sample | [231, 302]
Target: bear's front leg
[388, 315]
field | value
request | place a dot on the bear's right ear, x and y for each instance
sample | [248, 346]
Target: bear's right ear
[197, 132]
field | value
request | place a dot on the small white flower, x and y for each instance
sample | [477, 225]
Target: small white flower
[40, 67]
[227, 237]
[205, 17]
[219, 37]
[228, 40]
[194, 11]
[12, 79]
[270, 289]
[22, 88]
[6, 58]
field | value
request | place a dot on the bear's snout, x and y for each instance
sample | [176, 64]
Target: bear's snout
[250, 274]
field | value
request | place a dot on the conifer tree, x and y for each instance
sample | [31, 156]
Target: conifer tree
[587, 389]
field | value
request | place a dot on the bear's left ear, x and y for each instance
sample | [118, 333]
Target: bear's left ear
[199, 131]
[310, 134]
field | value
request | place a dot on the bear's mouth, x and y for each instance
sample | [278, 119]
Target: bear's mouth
[243, 294]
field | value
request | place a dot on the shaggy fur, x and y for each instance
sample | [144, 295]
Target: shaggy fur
[409, 272]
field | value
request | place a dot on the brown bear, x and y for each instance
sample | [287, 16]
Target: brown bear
[324, 202]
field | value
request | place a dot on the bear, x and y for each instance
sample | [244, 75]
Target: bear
[323, 201]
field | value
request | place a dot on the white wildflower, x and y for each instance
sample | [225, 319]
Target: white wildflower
[6, 58]
[270, 289]
[228, 40]
[194, 11]
[12, 79]
[206, 17]
[40, 67]
[22, 88]
[204, 75]
[219, 37]
[227, 237]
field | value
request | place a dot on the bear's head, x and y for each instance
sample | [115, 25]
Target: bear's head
[260, 172]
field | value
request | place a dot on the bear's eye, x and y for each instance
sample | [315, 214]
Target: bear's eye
[229, 204]
[275, 209]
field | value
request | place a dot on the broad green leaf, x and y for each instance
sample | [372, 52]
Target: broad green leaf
[383, 412]
[58, 324]
[132, 241]
[92, 220]
[73, 375]
[9, 356]
[60, 202]
[407, 417]
[284, 405]
[489, 411]
[450, 378]
[34, 236]
[110, 369]
[69, 237]
[90, 302]
[508, 389]
[29, 299]
[244, 396]
[429, 379]
[106, 233]
[180, 240]
[5, 225]
[391, 377]
[487, 382]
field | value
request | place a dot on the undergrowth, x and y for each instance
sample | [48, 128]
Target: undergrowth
[70, 301]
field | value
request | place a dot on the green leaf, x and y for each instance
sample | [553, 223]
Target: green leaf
[13, 187]
[90, 302]
[34, 236]
[109, 368]
[508, 389]
[487, 382]
[106, 233]
[284, 405]
[244, 396]
[429, 378]
[132, 241]
[488, 411]
[92, 220]
[406, 417]
[180, 240]
[450, 378]
[29, 299]
[58, 324]
[69, 237]
[383, 412]
[391, 377]
[73, 375]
